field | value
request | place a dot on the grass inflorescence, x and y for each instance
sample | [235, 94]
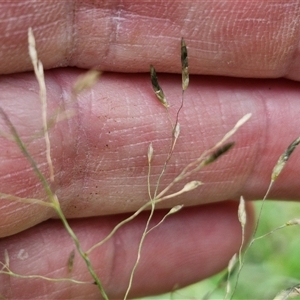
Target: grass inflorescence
[156, 196]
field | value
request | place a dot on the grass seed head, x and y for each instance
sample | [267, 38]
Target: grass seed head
[219, 152]
[184, 65]
[293, 222]
[150, 153]
[86, 81]
[284, 158]
[191, 185]
[157, 89]
[242, 212]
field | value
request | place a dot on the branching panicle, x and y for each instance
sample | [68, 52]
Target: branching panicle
[155, 197]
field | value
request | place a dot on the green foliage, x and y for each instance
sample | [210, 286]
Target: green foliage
[271, 265]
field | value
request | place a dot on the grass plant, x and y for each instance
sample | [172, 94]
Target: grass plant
[157, 196]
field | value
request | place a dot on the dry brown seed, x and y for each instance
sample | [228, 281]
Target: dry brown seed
[215, 155]
[184, 65]
[284, 158]
[290, 149]
[156, 87]
[71, 260]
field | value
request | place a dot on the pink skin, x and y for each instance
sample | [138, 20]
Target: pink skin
[188, 247]
[100, 154]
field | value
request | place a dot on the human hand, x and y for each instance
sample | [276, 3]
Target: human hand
[100, 154]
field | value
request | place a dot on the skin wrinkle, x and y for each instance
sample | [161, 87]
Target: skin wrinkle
[116, 20]
[86, 13]
[224, 39]
[246, 101]
[64, 28]
[187, 267]
[276, 36]
[31, 13]
[235, 31]
[15, 216]
[23, 176]
[292, 67]
[72, 33]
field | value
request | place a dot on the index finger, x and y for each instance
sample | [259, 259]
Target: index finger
[232, 38]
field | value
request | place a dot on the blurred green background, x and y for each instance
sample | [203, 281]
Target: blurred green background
[271, 265]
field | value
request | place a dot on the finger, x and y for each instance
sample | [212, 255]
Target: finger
[235, 38]
[100, 154]
[187, 247]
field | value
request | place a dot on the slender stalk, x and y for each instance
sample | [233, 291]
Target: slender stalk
[79, 249]
[53, 199]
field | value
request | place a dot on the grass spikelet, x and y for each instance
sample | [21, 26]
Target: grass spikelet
[86, 81]
[293, 222]
[284, 158]
[71, 261]
[191, 186]
[242, 216]
[288, 293]
[150, 153]
[219, 152]
[242, 212]
[157, 89]
[230, 268]
[187, 188]
[172, 211]
[176, 131]
[236, 127]
[39, 74]
[184, 65]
